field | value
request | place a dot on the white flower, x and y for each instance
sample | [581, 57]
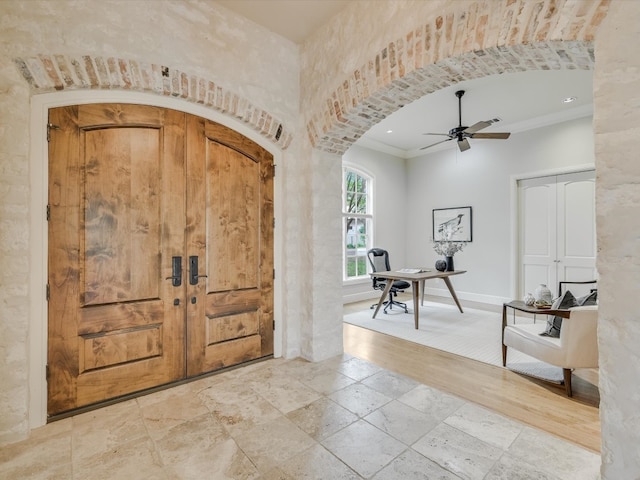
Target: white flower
[447, 248]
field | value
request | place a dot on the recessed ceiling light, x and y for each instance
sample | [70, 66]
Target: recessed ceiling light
[389, 131]
[569, 99]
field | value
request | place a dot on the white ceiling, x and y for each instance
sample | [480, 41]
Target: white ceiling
[522, 100]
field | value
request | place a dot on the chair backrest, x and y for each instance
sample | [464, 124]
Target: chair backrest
[585, 287]
[579, 337]
[379, 261]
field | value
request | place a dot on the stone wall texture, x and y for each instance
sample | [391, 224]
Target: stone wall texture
[362, 66]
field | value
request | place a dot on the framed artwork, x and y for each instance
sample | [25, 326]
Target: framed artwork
[452, 224]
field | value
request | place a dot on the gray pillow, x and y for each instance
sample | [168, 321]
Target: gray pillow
[554, 324]
[589, 299]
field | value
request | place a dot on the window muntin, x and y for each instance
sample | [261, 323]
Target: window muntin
[357, 223]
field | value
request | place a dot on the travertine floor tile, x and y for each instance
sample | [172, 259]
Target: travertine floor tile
[364, 448]
[201, 448]
[402, 421]
[389, 383]
[458, 452]
[360, 399]
[106, 429]
[410, 465]
[485, 425]
[358, 369]
[322, 418]
[431, 401]
[270, 444]
[343, 418]
[39, 457]
[554, 456]
[237, 406]
[317, 463]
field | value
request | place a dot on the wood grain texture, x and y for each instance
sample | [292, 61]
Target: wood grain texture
[115, 225]
[534, 402]
[132, 187]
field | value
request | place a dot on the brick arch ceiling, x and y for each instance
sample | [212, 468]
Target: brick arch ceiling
[46, 73]
[489, 37]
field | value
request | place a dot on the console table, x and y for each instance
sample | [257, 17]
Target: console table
[523, 307]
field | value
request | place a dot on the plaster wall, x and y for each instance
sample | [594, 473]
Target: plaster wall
[196, 37]
[617, 141]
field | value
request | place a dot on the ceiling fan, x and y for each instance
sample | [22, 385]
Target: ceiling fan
[462, 133]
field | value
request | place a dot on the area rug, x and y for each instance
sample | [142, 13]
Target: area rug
[475, 334]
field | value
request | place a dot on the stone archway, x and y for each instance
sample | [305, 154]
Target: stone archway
[56, 72]
[486, 38]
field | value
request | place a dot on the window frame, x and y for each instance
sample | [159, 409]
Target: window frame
[367, 217]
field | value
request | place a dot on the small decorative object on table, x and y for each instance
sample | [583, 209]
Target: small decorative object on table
[448, 249]
[543, 295]
[529, 299]
[441, 265]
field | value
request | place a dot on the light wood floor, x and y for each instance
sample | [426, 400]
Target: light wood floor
[534, 402]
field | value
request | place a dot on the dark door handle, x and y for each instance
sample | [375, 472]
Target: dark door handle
[193, 270]
[176, 271]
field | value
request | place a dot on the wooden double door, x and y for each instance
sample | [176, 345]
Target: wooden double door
[160, 251]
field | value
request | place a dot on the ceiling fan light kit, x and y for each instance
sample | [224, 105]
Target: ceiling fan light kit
[462, 133]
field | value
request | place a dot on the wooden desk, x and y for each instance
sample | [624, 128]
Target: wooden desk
[417, 285]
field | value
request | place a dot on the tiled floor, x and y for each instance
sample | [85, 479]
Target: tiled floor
[288, 420]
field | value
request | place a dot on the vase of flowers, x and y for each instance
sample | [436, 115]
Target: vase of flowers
[448, 249]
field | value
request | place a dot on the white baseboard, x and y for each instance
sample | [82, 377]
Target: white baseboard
[361, 296]
[472, 297]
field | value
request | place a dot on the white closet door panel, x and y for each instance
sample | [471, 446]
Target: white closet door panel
[537, 205]
[576, 219]
[537, 230]
[533, 275]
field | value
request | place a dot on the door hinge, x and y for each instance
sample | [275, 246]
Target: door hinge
[51, 126]
[274, 222]
[273, 170]
[48, 292]
[274, 325]
[274, 273]
[48, 212]
[47, 372]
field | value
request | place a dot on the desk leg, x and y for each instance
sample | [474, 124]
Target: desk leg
[452, 292]
[383, 296]
[421, 292]
[416, 297]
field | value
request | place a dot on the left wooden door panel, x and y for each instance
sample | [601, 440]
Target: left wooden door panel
[116, 195]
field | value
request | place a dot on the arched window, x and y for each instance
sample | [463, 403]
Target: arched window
[357, 223]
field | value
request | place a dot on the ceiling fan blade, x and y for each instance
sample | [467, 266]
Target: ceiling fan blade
[476, 126]
[442, 134]
[437, 143]
[463, 144]
[494, 135]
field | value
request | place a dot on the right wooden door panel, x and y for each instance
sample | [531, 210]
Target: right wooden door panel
[231, 236]
[132, 188]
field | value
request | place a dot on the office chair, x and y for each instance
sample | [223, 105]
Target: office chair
[379, 260]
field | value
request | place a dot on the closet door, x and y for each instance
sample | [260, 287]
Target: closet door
[557, 230]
